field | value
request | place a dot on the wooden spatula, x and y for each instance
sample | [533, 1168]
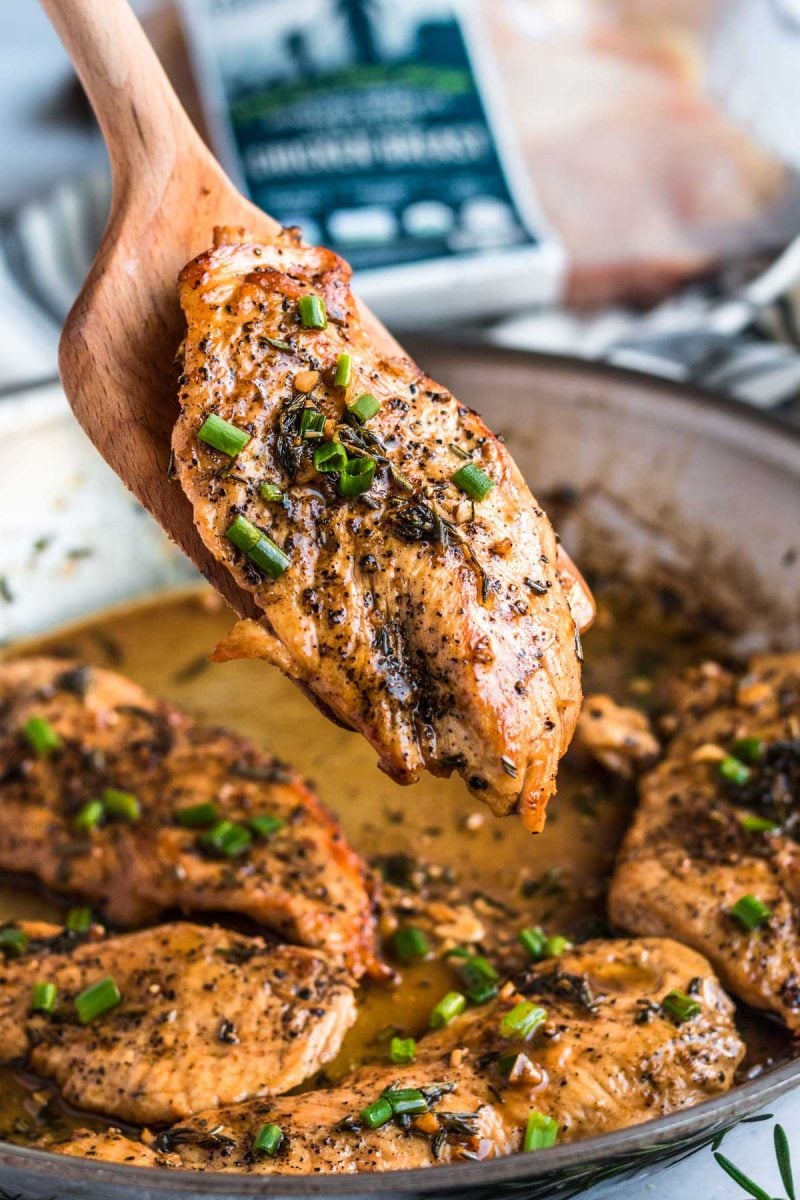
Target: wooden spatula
[117, 355]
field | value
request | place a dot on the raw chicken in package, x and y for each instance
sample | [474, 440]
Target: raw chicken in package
[474, 158]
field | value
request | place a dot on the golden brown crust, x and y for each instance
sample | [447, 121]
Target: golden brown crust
[438, 628]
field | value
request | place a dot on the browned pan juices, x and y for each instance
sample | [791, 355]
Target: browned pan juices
[557, 878]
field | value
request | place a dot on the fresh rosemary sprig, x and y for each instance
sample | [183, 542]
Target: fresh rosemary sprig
[748, 1185]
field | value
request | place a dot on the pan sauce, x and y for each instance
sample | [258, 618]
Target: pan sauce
[162, 645]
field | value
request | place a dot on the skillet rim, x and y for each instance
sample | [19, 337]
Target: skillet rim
[43, 1168]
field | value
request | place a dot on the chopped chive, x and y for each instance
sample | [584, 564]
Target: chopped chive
[270, 492]
[357, 476]
[472, 480]
[447, 1010]
[752, 823]
[265, 826]
[522, 1021]
[377, 1113]
[44, 997]
[78, 919]
[534, 941]
[344, 365]
[406, 1100]
[734, 771]
[402, 1050]
[89, 816]
[197, 816]
[311, 310]
[459, 452]
[13, 942]
[228, 839]
[97, 999]
[260, 549]
[122, 804]
[747, 749]
[750, 912]
[555, 946]
[312, 423]
[478, 976]
[268, 1139]
[410, 944]
[330, 457]
[41, 737]
[223, 436]
[680, 1006]
[541, 1132]
[365, 407]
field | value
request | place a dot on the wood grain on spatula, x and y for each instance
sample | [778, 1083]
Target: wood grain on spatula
[119, 343]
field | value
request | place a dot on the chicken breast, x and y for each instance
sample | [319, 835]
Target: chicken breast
[602, 1054]
[125, 809]
[203, 1017]
[428, 614]
[712, 855]
[618, 737]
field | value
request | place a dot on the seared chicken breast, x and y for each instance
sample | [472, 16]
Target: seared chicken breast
[615, 735]
[593, 1042]
[403, 574]
[110, 795]
[712, 855]
[156, 1025]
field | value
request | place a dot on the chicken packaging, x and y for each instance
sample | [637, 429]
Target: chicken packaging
[535, 151]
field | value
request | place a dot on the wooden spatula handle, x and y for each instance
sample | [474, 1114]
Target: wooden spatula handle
[142, 120]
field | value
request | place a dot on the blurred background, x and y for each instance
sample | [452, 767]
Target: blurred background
[617, 179]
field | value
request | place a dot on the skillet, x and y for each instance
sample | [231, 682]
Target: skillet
[668, 479]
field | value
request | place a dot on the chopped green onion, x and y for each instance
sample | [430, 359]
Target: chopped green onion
[260, 549]
[410, 944]
[223, 436]
[97, 999]
[13, 942]
[41, 737]
[265, 826]
[197, 816]
[479, 977]
[270, 492]
[79, 919]
[472, 480]
[44, 997]
[402, 1050]
[541, 1132]
[750, 912]
[534, 941]
[406, 1100]
[377, 1113]
[312, 423]
[357, 476]
[752, 823]
[311, 310]
[522, 1021]
[680, 1006]
[344, 365]
[330, 457]
[365, 407]
[122, 804]
[268, 1139]
[447, 1010]
[228, 839]
[733, 771]
[89, 816]
[747, 749]
[555, 946]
